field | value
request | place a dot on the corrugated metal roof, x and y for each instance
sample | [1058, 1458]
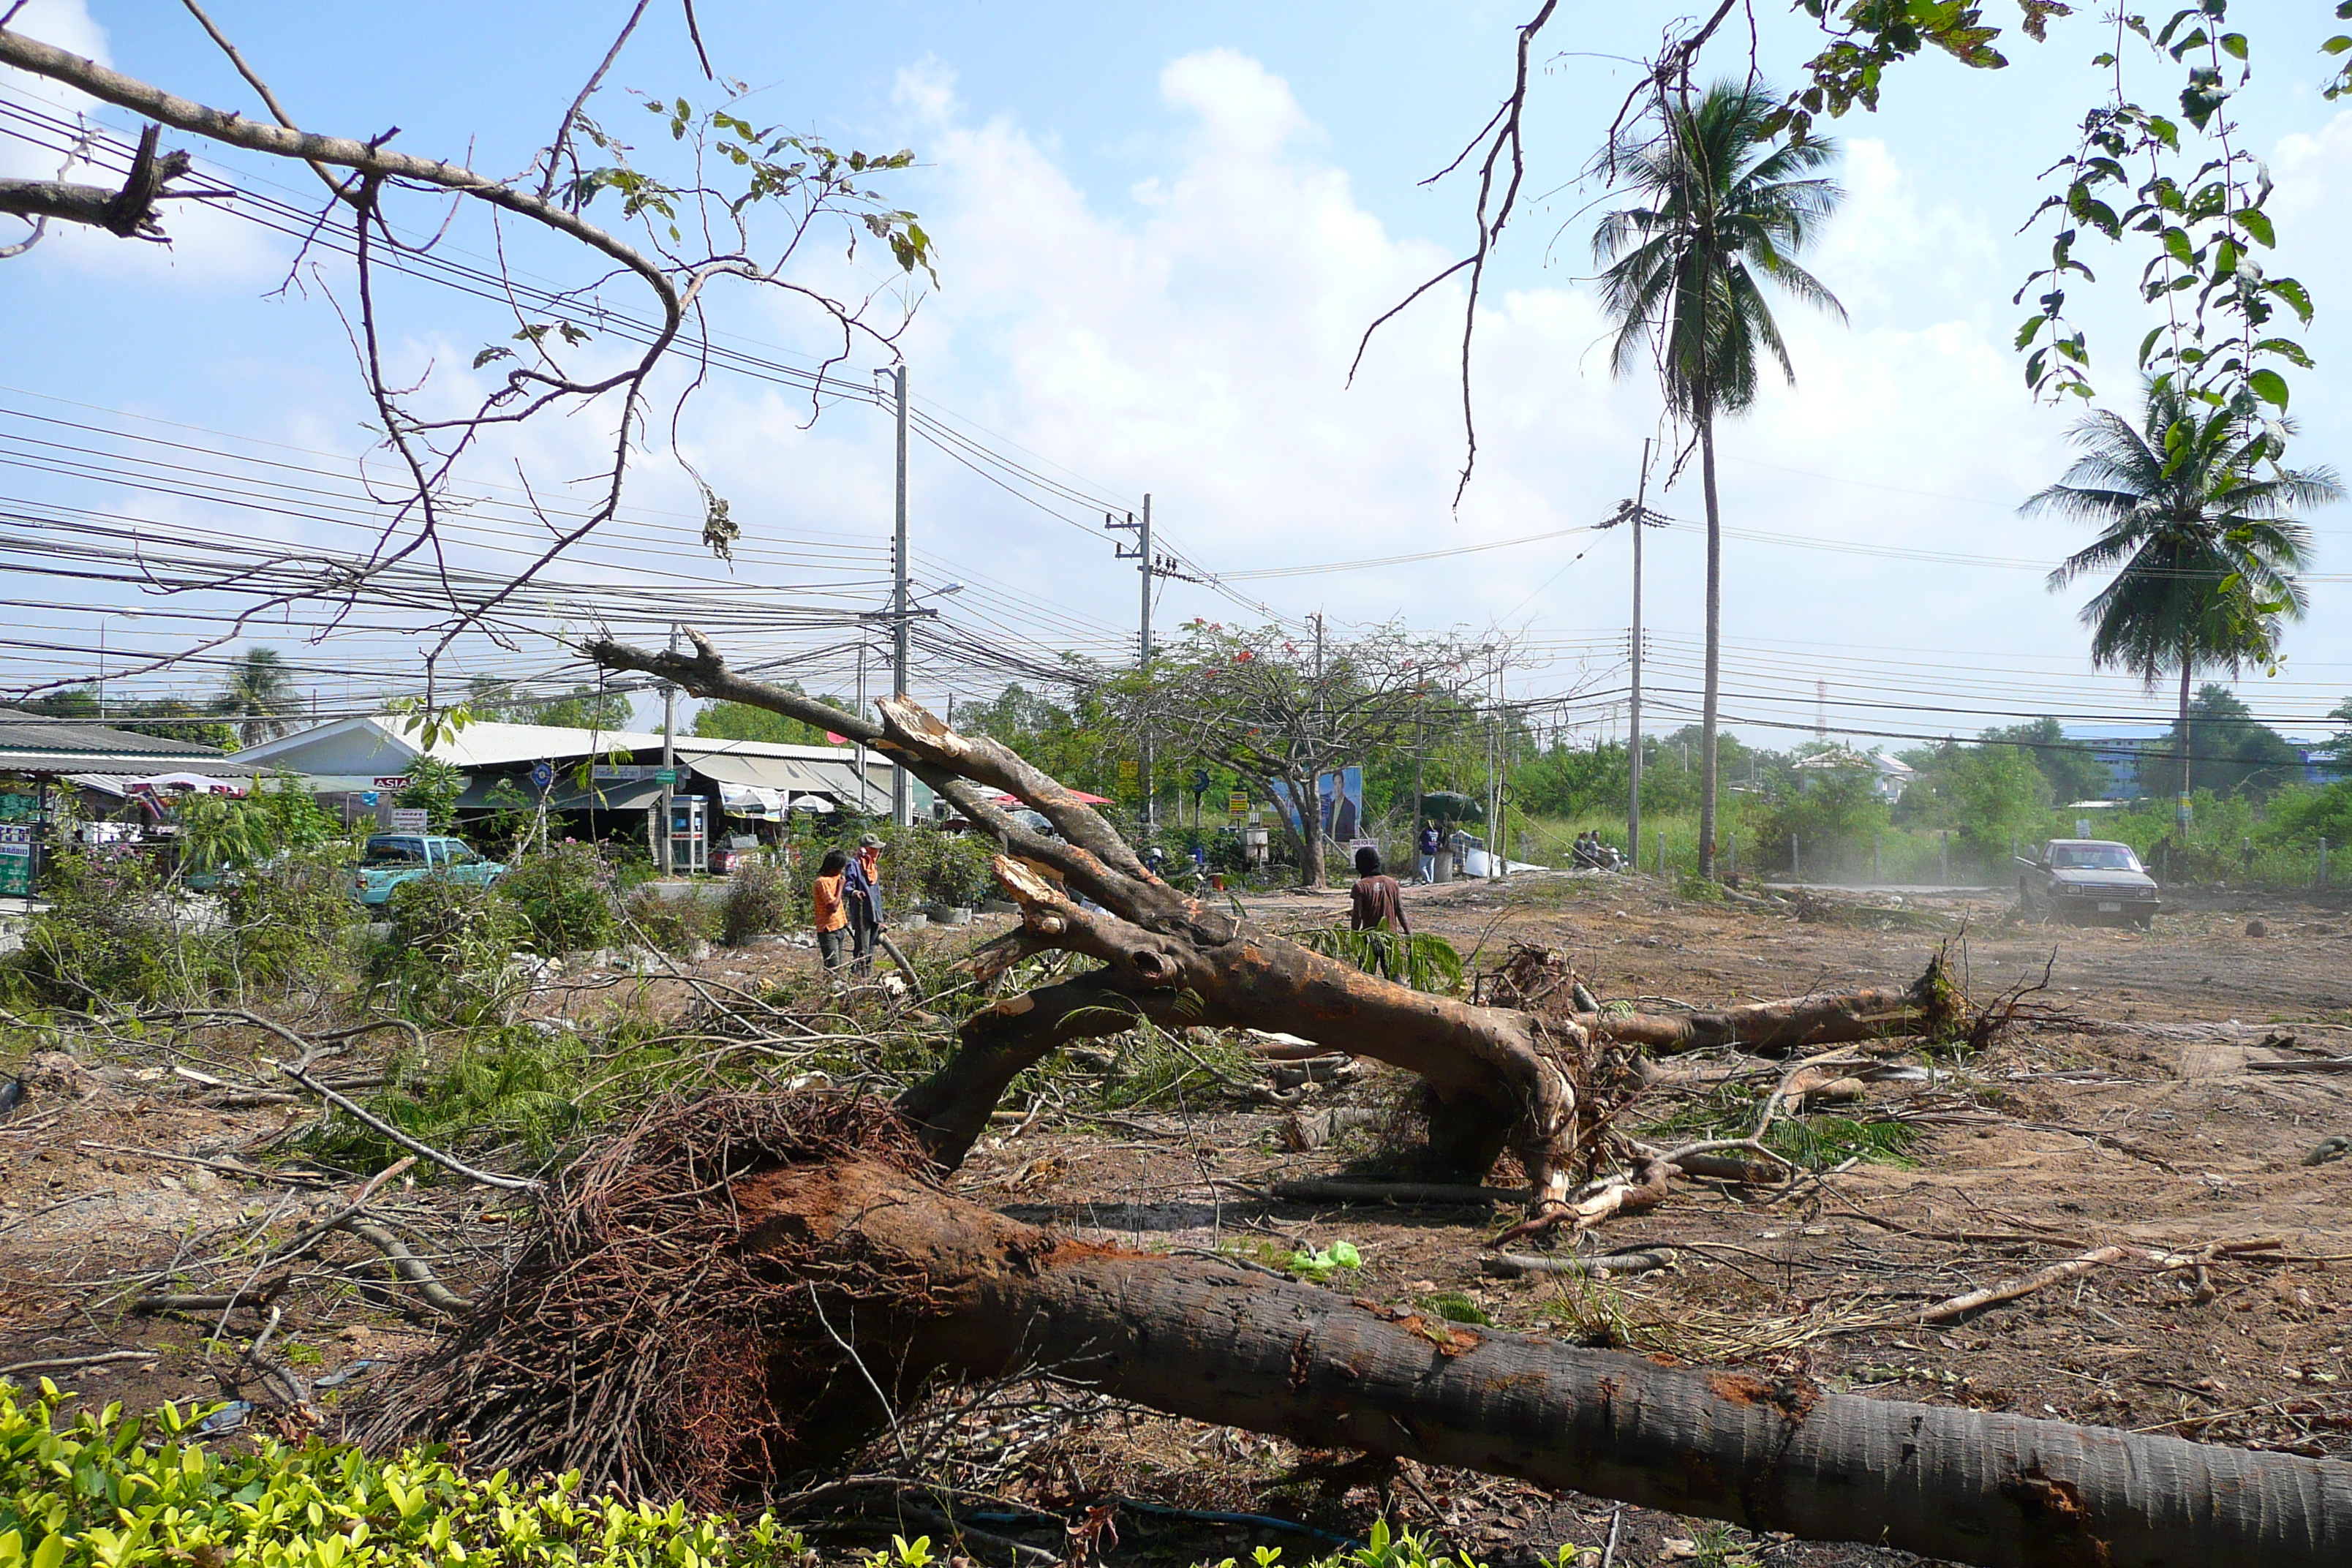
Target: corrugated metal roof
[23, 734]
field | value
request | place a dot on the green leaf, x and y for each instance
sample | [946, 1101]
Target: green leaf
[2257, 224]
[2176, 246]
[2025, 334]
[2147, 344]
[2270, 386]
[2288, 290]
[2234, 44]
[2286, 349]
[487, 355]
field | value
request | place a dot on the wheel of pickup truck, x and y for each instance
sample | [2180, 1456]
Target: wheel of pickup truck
[2144, 921]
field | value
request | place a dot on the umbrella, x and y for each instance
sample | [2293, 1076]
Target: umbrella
[1447, 805]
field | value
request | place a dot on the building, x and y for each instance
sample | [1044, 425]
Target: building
[1889, 775]
[362, 762]
[54, 771]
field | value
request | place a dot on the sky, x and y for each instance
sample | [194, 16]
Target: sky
[1162, 233]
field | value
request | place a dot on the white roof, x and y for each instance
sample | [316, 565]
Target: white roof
[1852, 758]
[382, 744]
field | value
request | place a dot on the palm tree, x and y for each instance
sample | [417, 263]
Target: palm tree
[259, 696]
[2203, 543]
[1721, 208]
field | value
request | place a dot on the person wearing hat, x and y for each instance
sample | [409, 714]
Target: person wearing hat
[861, 893]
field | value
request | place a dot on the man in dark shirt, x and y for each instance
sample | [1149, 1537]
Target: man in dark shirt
[1375, 899]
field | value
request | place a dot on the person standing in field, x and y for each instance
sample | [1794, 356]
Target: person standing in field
[828, 912]
[1429, 845]
[862, 891]
[1376, 899]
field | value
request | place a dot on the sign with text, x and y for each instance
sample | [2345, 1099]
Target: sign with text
[16, 861]
[410, 819]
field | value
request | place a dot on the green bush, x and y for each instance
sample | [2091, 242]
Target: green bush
[922, 865]
[759, 901]
[93, 1494]
[120, 930]
[290, 921]
[673, 925]
[114, 932]
[451, 949]
[569, 897]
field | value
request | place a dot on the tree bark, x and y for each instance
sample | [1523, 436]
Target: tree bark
[986, 1296]
[1714, 649]
[2188, 668]
[129, 212]
[1926, 1005]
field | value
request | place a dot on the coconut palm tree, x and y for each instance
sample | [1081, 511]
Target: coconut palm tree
[2201, 535]
[259, 697]
[1721, 209]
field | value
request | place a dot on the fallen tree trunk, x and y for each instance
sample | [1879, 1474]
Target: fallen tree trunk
[1216, 1344]
[748, 1286]
[1497, 1078]
[1779, 1028]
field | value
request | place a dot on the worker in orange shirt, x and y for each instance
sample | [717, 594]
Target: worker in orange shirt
[830, 913]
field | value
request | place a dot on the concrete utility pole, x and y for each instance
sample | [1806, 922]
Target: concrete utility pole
[1635, 512]
[902, 802]
[669, 763]
[1147, 567]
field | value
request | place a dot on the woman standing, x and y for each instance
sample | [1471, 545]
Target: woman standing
[830, 913]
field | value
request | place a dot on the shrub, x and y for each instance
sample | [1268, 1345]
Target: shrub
[568, 896]
[94, 1495]
[451, 949]
[922, 865]
[291, 920]
[117, 929]
[673, 925]
[759, 901]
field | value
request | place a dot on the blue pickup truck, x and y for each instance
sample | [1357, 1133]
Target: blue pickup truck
[395, 858]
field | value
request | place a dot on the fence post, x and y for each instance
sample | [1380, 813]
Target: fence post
[1796, 866]
[1731, 854]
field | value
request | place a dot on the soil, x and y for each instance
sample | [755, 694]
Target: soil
[2132, 1108]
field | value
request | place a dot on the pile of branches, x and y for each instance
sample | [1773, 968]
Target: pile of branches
[632, 1337]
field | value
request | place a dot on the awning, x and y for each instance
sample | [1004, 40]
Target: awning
[792, 777]
[751, 800]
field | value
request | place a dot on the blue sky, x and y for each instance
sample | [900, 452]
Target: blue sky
[1160, 232]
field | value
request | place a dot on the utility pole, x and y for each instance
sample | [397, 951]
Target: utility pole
[902, 795]
[861, 711]
[1147, 567]
[1635, 512]
[663, 854]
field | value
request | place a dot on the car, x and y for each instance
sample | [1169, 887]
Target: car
[394, 860]
[2088, 880]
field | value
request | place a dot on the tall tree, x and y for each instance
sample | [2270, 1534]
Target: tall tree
[2073, 770]
[259, 697]
[2237, 754]
[2198, 523]
[1720, 209]
[1282, 710]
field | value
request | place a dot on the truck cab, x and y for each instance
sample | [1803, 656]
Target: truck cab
[394, 860]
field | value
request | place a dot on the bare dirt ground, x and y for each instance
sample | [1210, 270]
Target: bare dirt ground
[2140, 1114]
